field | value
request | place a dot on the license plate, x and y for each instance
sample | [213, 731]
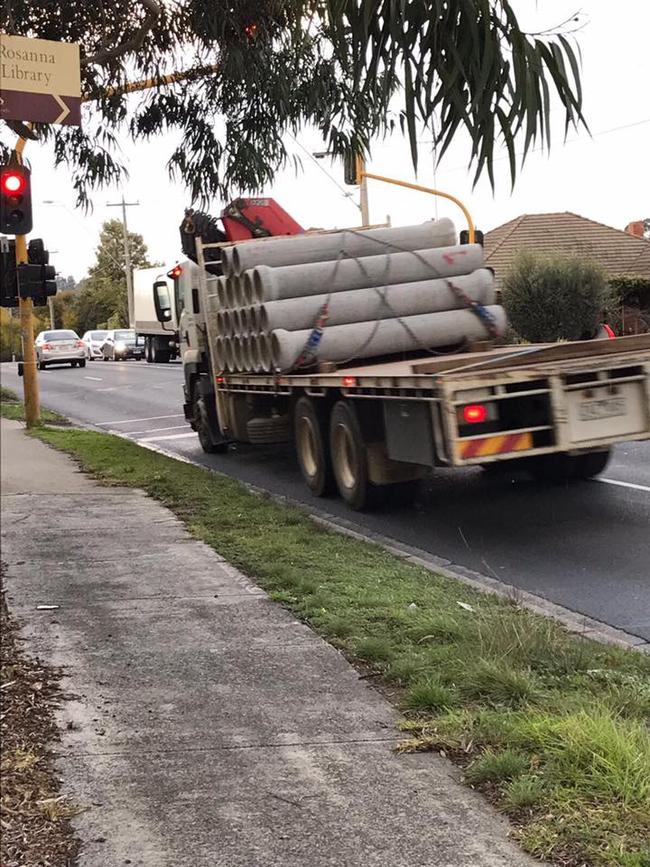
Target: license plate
[606, 407]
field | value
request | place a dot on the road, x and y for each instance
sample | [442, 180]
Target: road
[585, 546]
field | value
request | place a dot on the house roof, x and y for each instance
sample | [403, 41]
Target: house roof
[568, 234]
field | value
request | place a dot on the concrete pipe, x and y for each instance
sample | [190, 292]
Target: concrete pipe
[231, 292]
[227, 353]
[226, 324]
[236, 322]
[218, 354]
[254, 318]
[387, 336]
[247, 289]
[244, 320]
[324, 247]
[238, 353]
[247, 365]
[299, 281]
[362, 305]
[264, 350]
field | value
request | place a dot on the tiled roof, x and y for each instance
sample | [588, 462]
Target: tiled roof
[569, 234]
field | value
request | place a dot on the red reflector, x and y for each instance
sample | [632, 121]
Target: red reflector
[221, 380]
[475, 413]
[13, 183]
[349, 381]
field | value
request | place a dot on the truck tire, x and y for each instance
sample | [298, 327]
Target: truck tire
[349, 458]
[591, 464]
[560, 467]
[201, 424]
[158, 355]
[147, 350]
[312, 445]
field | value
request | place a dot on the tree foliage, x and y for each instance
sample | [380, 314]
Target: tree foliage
[261, 68]
[101, 298]
[555, 298]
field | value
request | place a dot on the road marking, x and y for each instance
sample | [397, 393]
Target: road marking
[94, 378]
[632, 485]
[156, 429]
[131, 420]
[170, 437]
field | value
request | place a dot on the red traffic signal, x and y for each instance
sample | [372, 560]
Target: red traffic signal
[15, 200]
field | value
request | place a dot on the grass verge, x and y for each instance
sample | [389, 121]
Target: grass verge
[11, 407]
[34, 815]
[553, 728]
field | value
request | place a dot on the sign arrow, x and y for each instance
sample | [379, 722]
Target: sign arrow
[40, 107]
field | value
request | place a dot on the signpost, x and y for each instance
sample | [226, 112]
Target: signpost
[39, 80]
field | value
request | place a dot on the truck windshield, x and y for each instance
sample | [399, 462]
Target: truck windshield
[128, 336]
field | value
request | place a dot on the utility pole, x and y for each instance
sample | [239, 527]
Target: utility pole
[127, 254]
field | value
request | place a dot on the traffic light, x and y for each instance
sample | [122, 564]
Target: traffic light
[8, 275]
[478, 237]
[352, 169]
[15, 200]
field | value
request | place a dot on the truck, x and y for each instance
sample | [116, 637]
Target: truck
[161, 339]
[369, 428]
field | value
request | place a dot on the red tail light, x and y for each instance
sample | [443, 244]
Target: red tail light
[80, 344]
[47, 346]
[475, 413]
[349, 381]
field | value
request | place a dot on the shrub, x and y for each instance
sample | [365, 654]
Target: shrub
[555, 298]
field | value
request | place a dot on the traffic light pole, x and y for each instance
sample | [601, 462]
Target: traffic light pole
[30, 377]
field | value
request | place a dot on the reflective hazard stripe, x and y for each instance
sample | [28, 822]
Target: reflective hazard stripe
[478, 448]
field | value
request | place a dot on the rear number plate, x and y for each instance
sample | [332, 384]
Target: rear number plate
[607, 407]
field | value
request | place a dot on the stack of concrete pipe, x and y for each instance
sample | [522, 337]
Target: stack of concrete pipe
[345, 295]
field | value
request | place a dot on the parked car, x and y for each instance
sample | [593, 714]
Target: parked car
[121, 344]
[59, 346]
[93, 341]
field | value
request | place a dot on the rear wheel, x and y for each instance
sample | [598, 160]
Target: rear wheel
[312, 446]
[202, 425]
[82, 363]
[562, 467]
[349, 457]
[74, 364]
[41, 365]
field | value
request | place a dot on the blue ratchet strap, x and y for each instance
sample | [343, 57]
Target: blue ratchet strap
[310, 349]
[477, 309]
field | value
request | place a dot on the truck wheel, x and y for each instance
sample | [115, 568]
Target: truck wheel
[158, 355]
[591, 463]
[312, 447]
[147, 350]
[560, 467]
[349, 458]
[201, 424]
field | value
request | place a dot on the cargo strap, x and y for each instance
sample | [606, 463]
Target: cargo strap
[308, 354]
[477, 309]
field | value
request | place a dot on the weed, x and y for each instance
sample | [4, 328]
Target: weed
[429, 695]
[493, 767]
[522, 793]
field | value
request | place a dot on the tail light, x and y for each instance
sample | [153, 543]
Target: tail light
[475, 413]
[47, 346]
[80, 344]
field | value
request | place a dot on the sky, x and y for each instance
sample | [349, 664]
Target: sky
[604, 176]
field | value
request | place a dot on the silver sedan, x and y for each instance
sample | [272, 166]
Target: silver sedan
[59, 347]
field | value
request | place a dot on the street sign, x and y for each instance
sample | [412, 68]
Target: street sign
[39, 80]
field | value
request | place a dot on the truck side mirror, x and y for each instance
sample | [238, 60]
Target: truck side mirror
[162, 301]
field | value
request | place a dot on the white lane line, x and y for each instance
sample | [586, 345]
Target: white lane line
[94, 378]
[169, 437]
[131, 420]
[620, 484]
[156, 429]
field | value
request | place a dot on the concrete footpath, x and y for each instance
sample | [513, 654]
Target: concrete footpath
[210, 728]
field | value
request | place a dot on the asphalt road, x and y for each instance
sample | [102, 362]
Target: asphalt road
[585, 545]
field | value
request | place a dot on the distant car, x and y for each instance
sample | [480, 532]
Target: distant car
[93, 342]
[59, 347]
[121, 344]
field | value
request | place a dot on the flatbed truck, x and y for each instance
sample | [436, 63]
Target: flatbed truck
[366, 429]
